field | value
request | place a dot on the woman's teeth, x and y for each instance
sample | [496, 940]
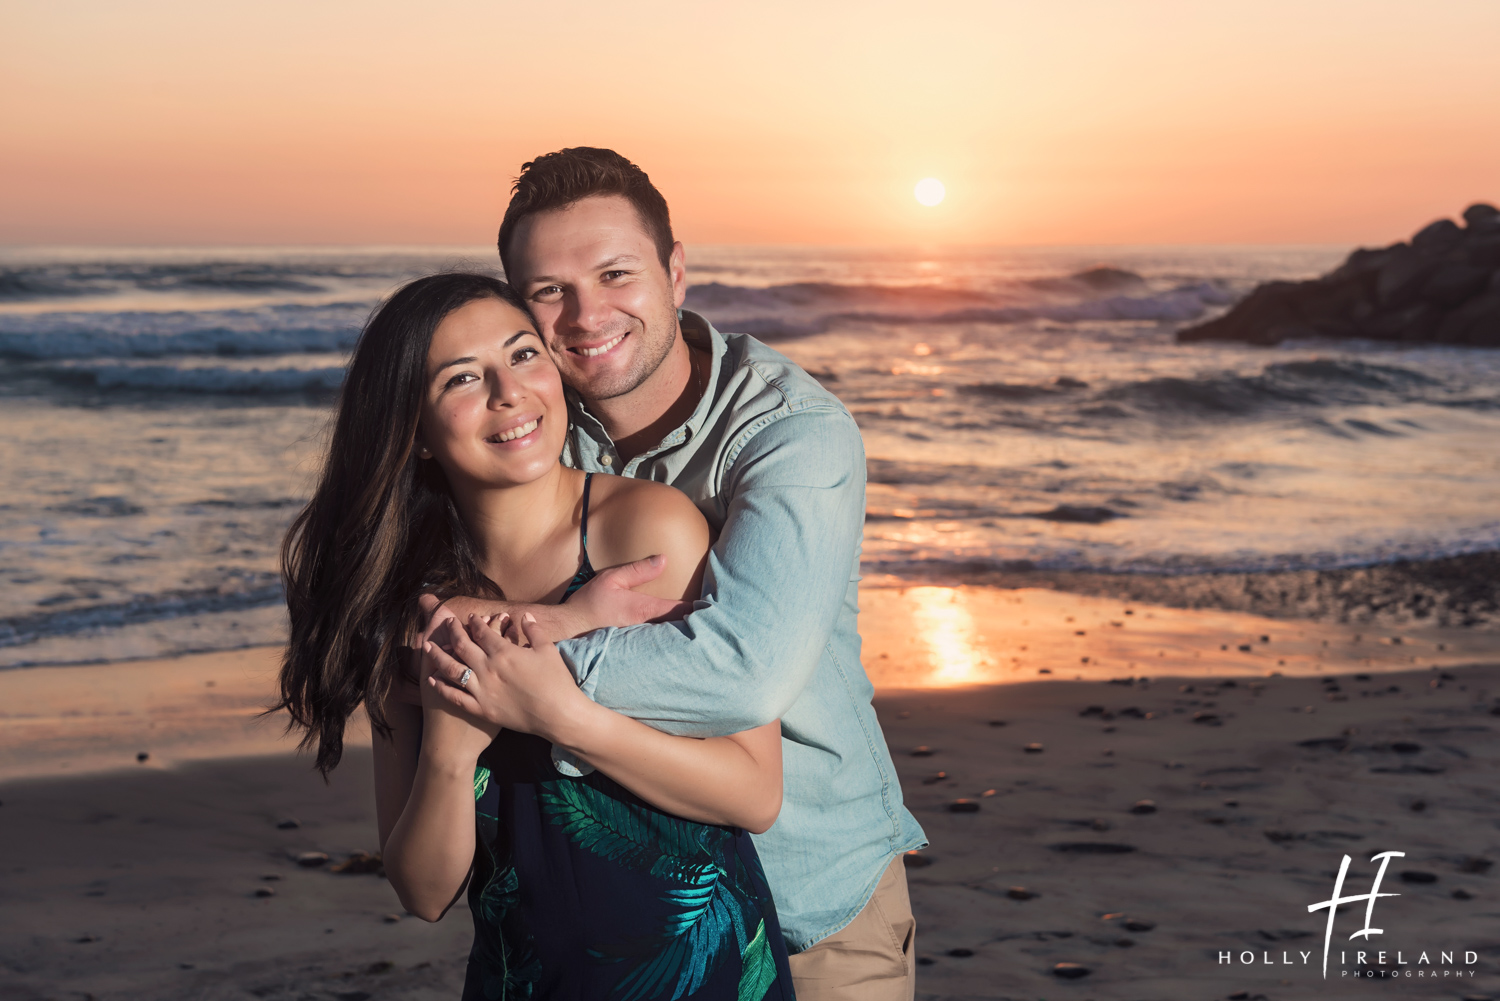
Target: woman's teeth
[517, 432]
[591, 352]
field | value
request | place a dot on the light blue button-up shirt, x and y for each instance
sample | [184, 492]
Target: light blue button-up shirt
[776, 464]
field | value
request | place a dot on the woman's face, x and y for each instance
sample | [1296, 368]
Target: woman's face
[494, 413]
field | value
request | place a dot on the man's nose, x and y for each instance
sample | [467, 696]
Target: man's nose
[586, 310]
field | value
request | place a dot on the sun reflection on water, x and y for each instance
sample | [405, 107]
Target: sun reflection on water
[947, 628]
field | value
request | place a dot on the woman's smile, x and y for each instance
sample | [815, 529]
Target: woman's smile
[518, 435]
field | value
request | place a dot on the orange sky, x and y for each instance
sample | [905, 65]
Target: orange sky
[160, 122]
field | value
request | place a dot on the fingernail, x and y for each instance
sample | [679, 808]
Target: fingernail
[528, 618]
[657, 560]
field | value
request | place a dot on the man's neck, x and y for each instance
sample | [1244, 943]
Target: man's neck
[638, 420]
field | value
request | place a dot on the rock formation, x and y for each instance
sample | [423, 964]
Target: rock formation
[1443, 287]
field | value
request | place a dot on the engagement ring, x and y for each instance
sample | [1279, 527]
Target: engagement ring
[463, 679]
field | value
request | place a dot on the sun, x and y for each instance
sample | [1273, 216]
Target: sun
[930, 191]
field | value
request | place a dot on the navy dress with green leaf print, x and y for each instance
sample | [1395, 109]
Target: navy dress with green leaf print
[582, 891]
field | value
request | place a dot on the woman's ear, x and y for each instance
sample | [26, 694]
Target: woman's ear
[423, 452]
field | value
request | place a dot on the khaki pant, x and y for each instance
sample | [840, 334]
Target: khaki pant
[873, 959]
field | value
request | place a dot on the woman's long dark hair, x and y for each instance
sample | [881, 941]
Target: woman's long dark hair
[382, 527]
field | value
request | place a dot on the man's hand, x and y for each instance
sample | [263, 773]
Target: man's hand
[607, 600]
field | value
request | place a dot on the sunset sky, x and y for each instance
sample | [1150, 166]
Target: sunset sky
[1281, 121]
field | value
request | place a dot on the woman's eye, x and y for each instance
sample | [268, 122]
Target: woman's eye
[523, 354]
[459, 380]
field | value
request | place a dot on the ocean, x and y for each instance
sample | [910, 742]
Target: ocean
[165, 410]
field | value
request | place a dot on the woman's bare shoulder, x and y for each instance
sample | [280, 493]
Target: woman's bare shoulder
[640, 518]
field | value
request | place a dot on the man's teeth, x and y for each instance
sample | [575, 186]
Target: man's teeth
[514, 433]
[591, 352]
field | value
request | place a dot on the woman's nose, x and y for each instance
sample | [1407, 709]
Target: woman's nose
[505, 390]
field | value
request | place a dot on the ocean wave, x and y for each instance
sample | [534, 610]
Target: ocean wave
[27, 281]
[21, 629]
[203, 379]
[271, 330]
[804, 309]
[1313, 382]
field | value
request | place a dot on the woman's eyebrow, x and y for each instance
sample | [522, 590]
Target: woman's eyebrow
[518, 335]
[456, 361]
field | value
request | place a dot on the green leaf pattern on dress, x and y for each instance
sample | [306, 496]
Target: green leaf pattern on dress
[713, 906]
[757, 967]
[481, 781]
[509, 967]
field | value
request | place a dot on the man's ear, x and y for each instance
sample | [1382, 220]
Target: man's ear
[677, 272]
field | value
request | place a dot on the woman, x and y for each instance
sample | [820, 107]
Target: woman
[634, 881]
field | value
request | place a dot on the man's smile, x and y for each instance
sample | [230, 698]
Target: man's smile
[599, 349]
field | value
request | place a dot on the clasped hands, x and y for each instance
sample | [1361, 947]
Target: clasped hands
[520, 681]
[515, 681]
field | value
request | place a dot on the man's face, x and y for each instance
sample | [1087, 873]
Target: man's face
[605, 305]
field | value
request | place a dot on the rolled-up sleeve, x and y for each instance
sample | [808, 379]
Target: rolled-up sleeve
[775, 581]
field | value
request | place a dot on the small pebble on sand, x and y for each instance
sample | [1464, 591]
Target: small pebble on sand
[1071, 971]
[312, 860]
[1143, 806]
[1033, 748]
[288, 824]
[963, 806]
[264, 891]
[142, 756]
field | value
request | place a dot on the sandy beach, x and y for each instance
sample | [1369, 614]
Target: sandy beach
[1267, 750]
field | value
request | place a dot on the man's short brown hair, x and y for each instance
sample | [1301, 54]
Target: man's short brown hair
[557, 180]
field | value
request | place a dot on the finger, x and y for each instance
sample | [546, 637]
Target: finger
[632, 575]
[483, 636]
[463, 648]
[442, 667]
[456, 698]
[528, 623]
[440, 617]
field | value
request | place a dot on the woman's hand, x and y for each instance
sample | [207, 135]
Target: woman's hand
[448, 733]
[514, 683]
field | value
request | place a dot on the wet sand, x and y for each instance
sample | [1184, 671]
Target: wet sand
[142, 881]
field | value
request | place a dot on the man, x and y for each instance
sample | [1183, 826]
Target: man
[777, 466]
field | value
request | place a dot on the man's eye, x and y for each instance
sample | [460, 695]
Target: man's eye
[547, 291]
[610, 276]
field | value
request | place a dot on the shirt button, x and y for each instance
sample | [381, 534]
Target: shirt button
[605, 460]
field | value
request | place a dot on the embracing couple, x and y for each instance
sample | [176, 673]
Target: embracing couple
[638, 727]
